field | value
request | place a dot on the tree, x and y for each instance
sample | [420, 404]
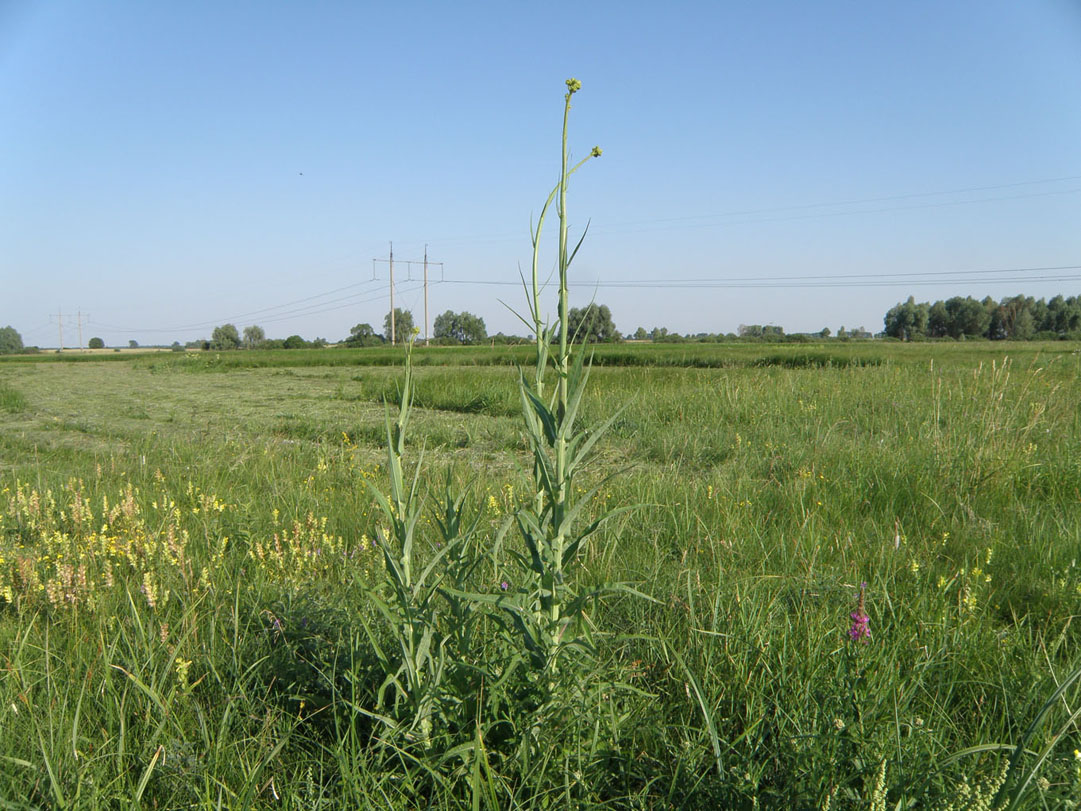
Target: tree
[825, 333]
[133, 344]
[96, 343]
[253, 336]
[591, 325]
[295, 342]
[403, 325]
[10, 341]
[465, 328]
[640, 334]
[968, 317]
[225, 337]
[938, 320]
[363, 335]
[907, 321]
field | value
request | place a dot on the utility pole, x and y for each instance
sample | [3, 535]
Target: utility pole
[392, 294]
[427, 339]
[60, 325]
[409, 266]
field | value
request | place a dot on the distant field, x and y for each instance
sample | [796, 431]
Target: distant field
[186, 565]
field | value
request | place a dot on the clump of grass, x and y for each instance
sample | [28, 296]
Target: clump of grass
[817, 360]
[11, 399]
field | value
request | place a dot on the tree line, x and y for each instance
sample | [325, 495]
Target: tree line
[1018, 318]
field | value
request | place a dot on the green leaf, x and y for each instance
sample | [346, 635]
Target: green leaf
[541, 410]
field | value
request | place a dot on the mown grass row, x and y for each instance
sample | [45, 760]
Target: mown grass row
[704, 356]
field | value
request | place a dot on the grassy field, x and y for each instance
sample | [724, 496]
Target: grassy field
[192, 590]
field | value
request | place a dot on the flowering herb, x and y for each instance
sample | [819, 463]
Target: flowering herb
[860, 629]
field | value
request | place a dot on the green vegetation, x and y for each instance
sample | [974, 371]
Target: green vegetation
[225, 337]
[10, 341]
[771, 492]
[254, 336]
[592, 325]
[460, 328]
[398, 326]
[11, 399]
[363, 335]
[1017, 318]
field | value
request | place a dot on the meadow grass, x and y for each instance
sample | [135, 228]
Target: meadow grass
[188, 561]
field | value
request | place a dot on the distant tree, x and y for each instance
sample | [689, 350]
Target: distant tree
[769, 331]
[133, 344]
[177, 347]
[1061, 315]
[658, 333]
[363, 335]
[968, 317]
[225, 337]
[825, 333]
[501, 339]
[640, 334]
[294, 342]
[907, 321]
[96, 343]
[10, 341]
[938, 320]
[253, 336]
[403, 325]
[591, 325]
[464, 328]
[319, 343]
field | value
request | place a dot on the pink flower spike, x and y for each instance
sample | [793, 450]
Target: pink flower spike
[860, 629]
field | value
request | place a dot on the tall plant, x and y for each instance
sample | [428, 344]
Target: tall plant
[416, 661]
[546, 604]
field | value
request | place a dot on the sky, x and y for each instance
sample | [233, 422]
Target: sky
[169, 167]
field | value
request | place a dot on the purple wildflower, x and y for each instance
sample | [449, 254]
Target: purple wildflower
[504, 585]
[860, 629]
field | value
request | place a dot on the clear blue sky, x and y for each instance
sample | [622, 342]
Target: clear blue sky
[166, 167]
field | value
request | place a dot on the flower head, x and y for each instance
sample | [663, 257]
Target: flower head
[504, 585]
[596, 153]
[573, 85]
[860, 629]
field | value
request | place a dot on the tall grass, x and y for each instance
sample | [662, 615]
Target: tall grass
[11, 399]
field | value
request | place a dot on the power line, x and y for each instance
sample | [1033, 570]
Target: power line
[60, 325]
[617, 229]
[882, 199]
[375, 297]
[821, 280]
[308, 310]
[690, 220]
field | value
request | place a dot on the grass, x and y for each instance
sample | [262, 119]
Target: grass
[943, 476]
[11, 399]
